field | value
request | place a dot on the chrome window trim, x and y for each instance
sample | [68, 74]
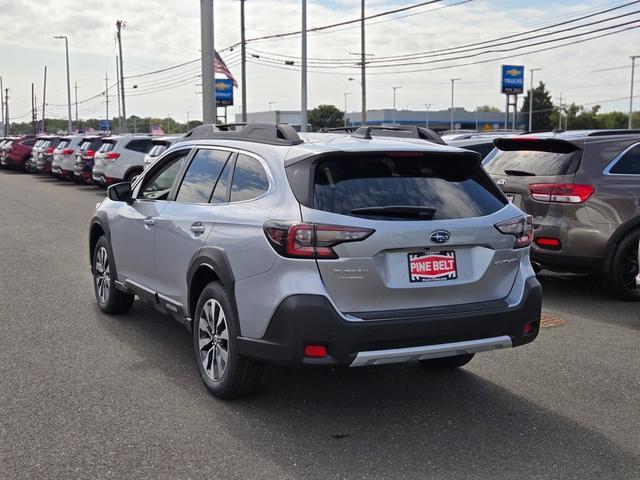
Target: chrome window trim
[607, 170]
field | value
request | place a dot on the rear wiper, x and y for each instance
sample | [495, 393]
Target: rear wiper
[411, 212]
[519, 173]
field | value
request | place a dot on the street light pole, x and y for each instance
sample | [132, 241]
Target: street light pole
[363, 75]
[303, 102]
[394, 103]
[66, 48]
[271, 103]
[633, 68]
[243, 56]
[453, 80]
[531, 99]
[345, 107]
[427, 106]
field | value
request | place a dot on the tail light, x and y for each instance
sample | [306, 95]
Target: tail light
[311, 240]
[49, 151]
[561, 192]
[89, 153]
[521, 228]
[111, 156]
[548, 242]
[67, 151]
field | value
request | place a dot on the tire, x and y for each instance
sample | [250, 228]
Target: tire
[131, 175]
[28, 168]
[110, 299]
[215, 332]
[447, 363]
[621, 280]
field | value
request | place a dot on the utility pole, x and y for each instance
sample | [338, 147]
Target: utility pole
[345, 107]
[363, 79]
[2, 104]
[427, 106]
[394, 103]
[453, 80]
[118, 89]
[531, 99]
[243, 54]
[33, 108]
[6, 112]
[119, 25]
[76, 89]
[66, 47]
[44, 96]
[209, 108]
[560, 113]
[106, 95]
[303, 103]
[633, 71]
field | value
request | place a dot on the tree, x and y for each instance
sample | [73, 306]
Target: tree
[325, 116]
[487, 109]
[542, 107]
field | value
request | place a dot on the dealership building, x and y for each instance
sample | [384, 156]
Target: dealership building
[437, 120]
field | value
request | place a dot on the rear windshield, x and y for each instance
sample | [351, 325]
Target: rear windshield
[539, 159]
[449, 187]
[157, 150]
[106, 147]
[64, 144]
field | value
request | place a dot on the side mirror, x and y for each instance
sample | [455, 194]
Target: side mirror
[120, 192]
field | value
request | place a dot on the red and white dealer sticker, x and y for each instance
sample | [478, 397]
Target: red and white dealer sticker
[432, 266]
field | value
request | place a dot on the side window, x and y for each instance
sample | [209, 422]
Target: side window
[249, 179]
[201, 177]
[629, 164]
[29, 143]
[159, 185]
[221, 191]
[142, 146]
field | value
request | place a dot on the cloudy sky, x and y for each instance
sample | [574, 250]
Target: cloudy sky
[165, 33]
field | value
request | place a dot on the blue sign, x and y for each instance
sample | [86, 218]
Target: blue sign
[512, 79]
[105, 125]
[224, 92]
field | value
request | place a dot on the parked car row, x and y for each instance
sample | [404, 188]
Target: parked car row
[99, 159]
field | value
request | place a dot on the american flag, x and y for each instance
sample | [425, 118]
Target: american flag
[156, 130]
[221, 67]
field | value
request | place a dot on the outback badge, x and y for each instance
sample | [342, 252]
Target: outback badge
[440, 236]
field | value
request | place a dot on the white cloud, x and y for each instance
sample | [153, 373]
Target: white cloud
[163, 33]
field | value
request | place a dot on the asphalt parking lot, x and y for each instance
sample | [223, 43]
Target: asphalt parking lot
[84, 395]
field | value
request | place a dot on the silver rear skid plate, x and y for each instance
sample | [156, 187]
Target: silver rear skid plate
[399, 355]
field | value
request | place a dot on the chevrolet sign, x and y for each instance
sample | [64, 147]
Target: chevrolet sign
[512, 79]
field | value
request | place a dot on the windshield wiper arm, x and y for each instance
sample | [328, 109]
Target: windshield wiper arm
[422, 213]
[519, 173]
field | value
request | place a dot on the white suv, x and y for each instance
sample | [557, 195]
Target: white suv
[120, 158]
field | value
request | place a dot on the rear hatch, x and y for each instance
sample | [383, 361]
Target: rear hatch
[420, 230]
[106, 147]
[522, 166]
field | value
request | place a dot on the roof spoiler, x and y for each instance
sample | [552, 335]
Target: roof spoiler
[536, 144]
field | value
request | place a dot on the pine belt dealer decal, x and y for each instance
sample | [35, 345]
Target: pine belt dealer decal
[429, 267]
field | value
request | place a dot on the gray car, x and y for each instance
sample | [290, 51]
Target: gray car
[316, 249]
[582, 189]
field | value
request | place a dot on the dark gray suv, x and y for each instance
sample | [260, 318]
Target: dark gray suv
[582, 189]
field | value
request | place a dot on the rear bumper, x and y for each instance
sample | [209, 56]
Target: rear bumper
[311, 320]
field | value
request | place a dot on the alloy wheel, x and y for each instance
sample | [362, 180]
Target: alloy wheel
[102, 275]
[213, 340]
[630, 268]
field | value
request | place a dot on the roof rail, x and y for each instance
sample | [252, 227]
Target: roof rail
[271, 133]
[338, 129]
[603, 133]
[405, 131]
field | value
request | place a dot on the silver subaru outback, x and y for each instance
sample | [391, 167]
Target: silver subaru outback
[318, 249]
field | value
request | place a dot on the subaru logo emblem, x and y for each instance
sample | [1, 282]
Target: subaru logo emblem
[502, 182]
[440, 236]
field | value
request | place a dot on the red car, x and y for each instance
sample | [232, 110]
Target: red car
[17, 151]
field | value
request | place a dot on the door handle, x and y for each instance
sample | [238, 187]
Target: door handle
[198, 228]
[149, 222]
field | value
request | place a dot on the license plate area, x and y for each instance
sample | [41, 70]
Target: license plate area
[432, 266]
